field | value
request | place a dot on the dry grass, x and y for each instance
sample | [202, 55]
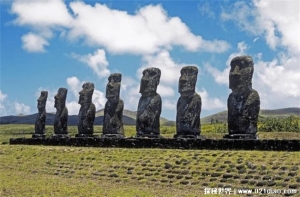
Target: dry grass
[75, 171]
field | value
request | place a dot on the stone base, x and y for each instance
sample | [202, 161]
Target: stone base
[182, 136]
[112, 136]
[60, 136]
[166, 143]
[241, 136]
[38, 135]
[86, 135]
[148, 136]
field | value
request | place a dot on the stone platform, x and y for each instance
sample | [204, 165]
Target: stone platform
[166, 143]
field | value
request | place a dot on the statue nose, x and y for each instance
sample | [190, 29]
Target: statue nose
[236, 70]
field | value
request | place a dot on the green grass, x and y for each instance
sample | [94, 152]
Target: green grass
[76, 171]
[213, 131]
[82, 171]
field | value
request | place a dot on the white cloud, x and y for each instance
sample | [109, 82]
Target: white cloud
[37, 13]
[2, 105]
[222, 77]
[21, 108]
[165, 91]
[277, 80]
[34, 43]
[147, 31]
[2, 96]
[209, 103]
[170, 70]
[277, 21]
[169, 104]
[97, 62]
[75, 85]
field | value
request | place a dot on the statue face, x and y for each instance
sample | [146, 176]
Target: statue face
[241, 72]
[113, 87]
[150, 80]
[187, 80]
[42, 100]
[86, 94]
[60, 98]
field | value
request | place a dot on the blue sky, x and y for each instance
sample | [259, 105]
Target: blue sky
[47, 44]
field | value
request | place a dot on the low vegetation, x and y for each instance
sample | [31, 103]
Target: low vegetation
[82, 171]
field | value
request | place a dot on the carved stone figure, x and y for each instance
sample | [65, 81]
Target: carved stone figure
[87, 111]
[149, 107]
[61, 116]
[113, 111]
[188, 105]
[243, 103]
[39, 129]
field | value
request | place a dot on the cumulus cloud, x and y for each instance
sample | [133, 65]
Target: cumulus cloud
[209, 103]
[34, 43]
[277, 80]
[2, 106]
[75, 85]
[97, 62]
[147, 31]
[21, 108]
[221, 77]
[37, 13]
[8, 108]
[170, 70]
[276, 21]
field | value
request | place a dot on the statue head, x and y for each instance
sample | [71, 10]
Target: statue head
[42, 100]
[187, 80]
[60, 98]
[150, 80]
[241, 72]
[113, 87]
[86, 94]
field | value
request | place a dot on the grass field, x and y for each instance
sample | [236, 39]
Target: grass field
[81, 171]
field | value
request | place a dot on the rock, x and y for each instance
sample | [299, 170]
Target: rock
[244, 102]
[39, 128]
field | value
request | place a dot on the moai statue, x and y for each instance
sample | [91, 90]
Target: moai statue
[188, 105]
[86, 116]
[113, 111]
[61, 116]
[39, 129]
[149, 107]
[243, 103]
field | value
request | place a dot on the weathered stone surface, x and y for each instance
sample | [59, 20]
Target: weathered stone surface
[167, 143]
[39, 129]
[87, 111]
[61, 116]
[243, 103]
[113, 111]
[188, 105]
[149, 107]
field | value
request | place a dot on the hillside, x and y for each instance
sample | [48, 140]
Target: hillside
[129, 117]
[276, 113]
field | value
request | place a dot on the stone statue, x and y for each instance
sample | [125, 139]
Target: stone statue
[87, 111]
[149, 107]
[39, 129]
[188, 105]
[113, 111]
[61, 116]
[243, 103]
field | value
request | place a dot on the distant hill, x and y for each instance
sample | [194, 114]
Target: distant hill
[276, 113]
[129, 118]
